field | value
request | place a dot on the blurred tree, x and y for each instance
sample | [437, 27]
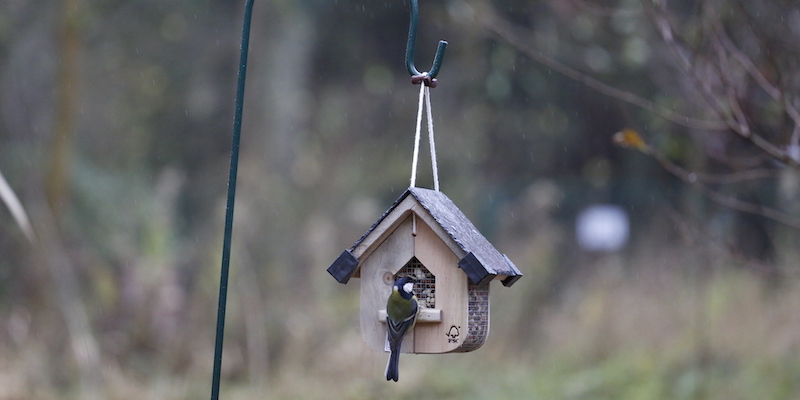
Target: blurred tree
[527, 102]
[728, 90]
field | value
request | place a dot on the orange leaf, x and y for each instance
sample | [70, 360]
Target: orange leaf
[631, 139]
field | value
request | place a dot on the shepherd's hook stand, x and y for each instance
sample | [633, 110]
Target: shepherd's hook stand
[226, 241]
[428, 78]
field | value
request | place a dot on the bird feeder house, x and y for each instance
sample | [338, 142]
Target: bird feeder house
[426, 237]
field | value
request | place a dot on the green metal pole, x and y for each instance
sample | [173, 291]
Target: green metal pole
[226, 243]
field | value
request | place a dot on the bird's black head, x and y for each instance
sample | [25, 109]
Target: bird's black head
[405, 286]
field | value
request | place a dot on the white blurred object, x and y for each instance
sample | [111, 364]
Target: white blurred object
[602, 227]
[793, 150]
[11, 201]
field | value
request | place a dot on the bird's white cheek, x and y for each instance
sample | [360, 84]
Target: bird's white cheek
[408, 287]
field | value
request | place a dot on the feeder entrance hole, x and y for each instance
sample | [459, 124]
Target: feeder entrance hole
[424, 282]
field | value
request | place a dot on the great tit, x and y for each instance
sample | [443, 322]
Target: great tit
[401, 315]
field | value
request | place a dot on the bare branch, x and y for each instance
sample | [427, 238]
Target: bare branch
[694, 232]
[630, 138]
[731, 202]
[682, 55]
[736, 122]
[507, 32]
[772, 90]
[725, 72]
[734, 177]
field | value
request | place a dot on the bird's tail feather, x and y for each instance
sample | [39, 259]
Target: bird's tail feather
[392, 367]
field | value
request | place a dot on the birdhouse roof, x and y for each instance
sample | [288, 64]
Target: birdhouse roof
[479, 259]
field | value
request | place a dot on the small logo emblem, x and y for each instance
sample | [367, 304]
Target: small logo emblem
[453, 334]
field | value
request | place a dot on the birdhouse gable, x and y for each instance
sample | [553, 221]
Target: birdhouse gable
[479, 260]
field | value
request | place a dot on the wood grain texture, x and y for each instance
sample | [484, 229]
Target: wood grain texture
[425, 316]
[377, 277]
[451, 292]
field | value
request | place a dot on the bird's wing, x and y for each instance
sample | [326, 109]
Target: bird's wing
[398, 329]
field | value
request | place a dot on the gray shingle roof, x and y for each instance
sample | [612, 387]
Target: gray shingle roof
[482, 261]
[464, 233]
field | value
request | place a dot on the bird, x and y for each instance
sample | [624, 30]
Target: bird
[401, 315]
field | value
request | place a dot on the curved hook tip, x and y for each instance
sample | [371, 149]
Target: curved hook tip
[438, 58]
[417, 77]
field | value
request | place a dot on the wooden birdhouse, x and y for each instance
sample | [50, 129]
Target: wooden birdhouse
[425, 236]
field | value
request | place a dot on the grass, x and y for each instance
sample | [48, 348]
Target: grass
[664, 331]
[659, 334]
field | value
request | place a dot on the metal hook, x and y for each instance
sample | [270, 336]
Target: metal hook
[416, 76]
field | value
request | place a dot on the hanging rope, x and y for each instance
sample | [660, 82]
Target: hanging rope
[425, 80]
[424, 102]
[416, 137]
[434, 167]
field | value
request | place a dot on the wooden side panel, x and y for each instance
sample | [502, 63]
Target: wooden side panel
[400, 240]
[451, 294]
[377, 277]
